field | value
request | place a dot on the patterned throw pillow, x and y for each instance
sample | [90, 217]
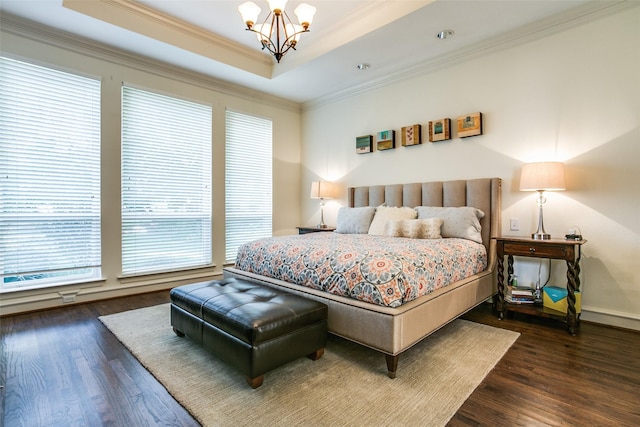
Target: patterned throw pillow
[415, 228]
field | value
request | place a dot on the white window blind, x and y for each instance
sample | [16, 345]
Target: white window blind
[49, 176]
[166, 183]
[248, 189]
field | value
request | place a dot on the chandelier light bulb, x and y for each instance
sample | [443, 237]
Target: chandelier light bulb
[277, 6]
[250, 12]
[305, 14]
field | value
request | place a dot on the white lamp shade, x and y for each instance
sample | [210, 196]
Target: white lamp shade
[545, 176]
[305, 13]
[277, 5]
[323, 190]
[249, 12]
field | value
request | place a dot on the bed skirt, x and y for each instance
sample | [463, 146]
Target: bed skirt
[385, 329]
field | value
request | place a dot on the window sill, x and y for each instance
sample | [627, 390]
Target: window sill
[144, 279]
[90, 283]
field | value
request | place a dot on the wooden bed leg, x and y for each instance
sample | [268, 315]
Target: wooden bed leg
[255, 382]
[392, 365]
[316, 354]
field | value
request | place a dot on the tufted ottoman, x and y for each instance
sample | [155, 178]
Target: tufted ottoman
[252, 327]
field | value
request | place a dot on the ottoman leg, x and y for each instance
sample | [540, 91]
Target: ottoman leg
[316, 354]
[255, 382]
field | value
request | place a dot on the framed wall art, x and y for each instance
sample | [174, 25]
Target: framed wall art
[364, 144]
[411, 135]
[439, 130]
[386, 140]
[470, 125]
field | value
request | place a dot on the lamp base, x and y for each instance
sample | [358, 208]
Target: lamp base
[323, 226]
[540, 236]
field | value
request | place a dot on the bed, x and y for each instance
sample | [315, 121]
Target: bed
[385, 316]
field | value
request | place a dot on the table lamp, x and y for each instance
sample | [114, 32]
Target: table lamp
[541, 177]
[322, 190]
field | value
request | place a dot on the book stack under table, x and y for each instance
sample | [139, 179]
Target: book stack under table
[519, 295]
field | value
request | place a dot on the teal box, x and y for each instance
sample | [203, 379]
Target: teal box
[555, 298]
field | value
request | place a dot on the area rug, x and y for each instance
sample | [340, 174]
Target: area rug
[347, 386]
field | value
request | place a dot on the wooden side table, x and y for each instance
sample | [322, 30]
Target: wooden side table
[305, 230]
[568, 250]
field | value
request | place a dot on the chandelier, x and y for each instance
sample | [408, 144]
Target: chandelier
[277, 33]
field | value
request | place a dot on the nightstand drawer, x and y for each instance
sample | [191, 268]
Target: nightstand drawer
[535, 250]
[305, 230]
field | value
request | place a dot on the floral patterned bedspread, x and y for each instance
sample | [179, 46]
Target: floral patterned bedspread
[388, 271]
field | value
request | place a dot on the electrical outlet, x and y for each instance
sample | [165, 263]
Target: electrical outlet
[514, 224]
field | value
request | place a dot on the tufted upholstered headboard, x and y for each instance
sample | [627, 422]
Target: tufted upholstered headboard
[483, 193]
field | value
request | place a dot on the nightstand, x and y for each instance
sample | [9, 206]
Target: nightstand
[305, 230]
[568, 250]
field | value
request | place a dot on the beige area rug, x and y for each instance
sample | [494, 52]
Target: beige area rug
[348, 386]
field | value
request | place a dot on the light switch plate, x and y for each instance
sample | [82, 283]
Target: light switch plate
[514, 224]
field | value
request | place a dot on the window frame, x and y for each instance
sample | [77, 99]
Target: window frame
[174, 207]
[51, 93]
[255, 173]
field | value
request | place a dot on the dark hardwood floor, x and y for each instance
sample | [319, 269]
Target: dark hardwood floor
[62, 367]
[549, 377]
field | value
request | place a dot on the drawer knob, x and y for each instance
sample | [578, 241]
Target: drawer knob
[532, 250]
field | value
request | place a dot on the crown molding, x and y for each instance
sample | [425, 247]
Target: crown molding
[157, 25]
[589, 12]
[30, 30]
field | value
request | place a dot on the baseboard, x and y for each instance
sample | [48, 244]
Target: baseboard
[46, 299]
[610, 318]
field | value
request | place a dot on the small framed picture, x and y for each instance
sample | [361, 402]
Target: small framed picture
[470, 125]
[386, 140]
[411, 135]
[364, 144]
[439, 130]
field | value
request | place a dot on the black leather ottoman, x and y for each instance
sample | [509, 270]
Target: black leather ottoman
[252, 327]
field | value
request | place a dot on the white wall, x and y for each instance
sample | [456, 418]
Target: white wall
[573, 96]
[113, 69]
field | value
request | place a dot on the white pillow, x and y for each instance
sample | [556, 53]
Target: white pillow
[428, 228]
[462, 222]
[386, 213]
[354, 220]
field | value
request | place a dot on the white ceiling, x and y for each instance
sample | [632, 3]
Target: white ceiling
[208, 36]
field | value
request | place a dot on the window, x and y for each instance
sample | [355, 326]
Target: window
[248, 193]
[49, 176]
[166, 183]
